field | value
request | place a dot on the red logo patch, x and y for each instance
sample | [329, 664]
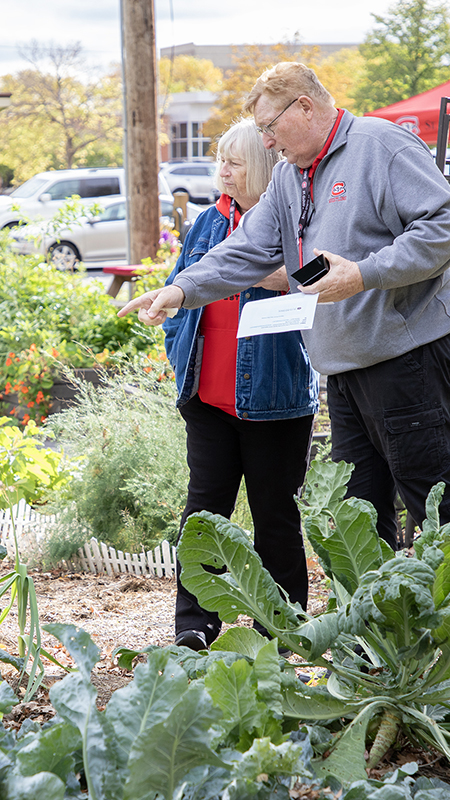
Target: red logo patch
[338, 192]
[338, 189]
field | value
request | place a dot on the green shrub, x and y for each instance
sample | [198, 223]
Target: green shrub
[132, 486]
[60, 320]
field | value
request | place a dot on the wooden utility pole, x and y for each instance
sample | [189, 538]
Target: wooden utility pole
[141, 127]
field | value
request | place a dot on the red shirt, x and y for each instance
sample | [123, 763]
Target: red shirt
[219, 324]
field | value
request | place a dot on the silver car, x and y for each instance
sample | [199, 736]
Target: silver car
[100, 238]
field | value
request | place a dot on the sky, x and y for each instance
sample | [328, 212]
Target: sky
[96, 24]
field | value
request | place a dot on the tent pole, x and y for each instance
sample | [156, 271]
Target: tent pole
[442, 138]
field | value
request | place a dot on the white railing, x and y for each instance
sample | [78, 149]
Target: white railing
[94, 556]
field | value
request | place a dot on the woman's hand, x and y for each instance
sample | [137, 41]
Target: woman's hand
[154, 307]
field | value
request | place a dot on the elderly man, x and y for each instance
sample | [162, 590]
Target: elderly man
[366, 194]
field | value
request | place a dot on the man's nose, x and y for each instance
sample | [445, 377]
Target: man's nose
[268, 140]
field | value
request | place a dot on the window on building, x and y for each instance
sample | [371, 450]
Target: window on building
[188, 141]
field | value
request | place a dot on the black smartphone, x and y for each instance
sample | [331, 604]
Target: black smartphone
[312, 271]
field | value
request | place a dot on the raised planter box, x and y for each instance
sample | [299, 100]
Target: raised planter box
[63, 393]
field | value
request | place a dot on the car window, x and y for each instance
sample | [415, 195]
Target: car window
[166, 208]
[116, 211]
[99, 187]
[63, 189]
[29, 187]
[190, 170]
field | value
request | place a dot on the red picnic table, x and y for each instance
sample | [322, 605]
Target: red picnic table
[127, 274]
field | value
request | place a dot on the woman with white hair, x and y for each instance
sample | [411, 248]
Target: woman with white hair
[248, 404]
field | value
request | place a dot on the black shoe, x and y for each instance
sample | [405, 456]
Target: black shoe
[196, 640]
[283, 651]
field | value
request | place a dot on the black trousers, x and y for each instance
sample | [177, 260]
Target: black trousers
[392, 420]
[273, 458]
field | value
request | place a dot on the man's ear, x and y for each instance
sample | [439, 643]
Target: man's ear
[306, 104]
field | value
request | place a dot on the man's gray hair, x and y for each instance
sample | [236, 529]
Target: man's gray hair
[287, 81]
[243, 141]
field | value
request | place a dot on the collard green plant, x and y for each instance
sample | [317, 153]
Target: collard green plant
[387, 626]
[214, 733]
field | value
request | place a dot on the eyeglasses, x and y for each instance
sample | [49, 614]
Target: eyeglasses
[268, 128]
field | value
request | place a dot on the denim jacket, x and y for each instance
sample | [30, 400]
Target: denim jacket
[274, 377]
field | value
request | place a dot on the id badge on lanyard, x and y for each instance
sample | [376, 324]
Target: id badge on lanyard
[306, 213]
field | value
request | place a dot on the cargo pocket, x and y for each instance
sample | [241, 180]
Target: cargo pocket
[416, 443]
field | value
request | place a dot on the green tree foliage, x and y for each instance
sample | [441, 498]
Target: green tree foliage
[338, 73]
[58, 119]
[406, 53]
[188, 74]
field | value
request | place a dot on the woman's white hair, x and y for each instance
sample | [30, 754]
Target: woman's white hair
[243, 141]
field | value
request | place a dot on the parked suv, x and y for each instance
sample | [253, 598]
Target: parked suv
[194, 177]
[44, 194]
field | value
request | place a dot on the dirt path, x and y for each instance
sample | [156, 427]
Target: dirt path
[122, 611]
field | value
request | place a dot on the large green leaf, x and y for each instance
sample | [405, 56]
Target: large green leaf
[314, 703]
[212, 540]
[157, 686]
[346, 761]
[43, 786]
[326, 485]
[397, 597]
[265, 758]
[268, 676]
[164, 754]
[233, 690]
[50, 750]
[79, 644]
[7, 698]
[75, 701]
[247, 588]
[351, 546]
[246, 641]
[441, 588]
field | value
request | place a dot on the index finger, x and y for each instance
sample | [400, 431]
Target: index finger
[132, 305]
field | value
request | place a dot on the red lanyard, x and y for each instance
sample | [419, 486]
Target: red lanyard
[307, 176]
[305, 215]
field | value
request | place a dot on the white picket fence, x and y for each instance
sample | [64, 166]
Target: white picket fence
[95, 557]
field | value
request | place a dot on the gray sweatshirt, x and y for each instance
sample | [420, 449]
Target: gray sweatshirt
[379, 200]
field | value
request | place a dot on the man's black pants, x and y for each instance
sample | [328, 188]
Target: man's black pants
[392, 420]
[273, 458]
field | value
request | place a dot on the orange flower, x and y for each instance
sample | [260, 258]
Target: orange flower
[8, 362]
[30, 404]
[39, 397]
[11, 355]
[26, 418]
[8, 388]
[43, 418]
[16, 387]
[24, 389]
[33, 348]
[12, 412]
[55, 353]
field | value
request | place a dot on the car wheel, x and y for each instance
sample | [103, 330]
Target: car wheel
[14, 224]
[64, 256]
[185, 191]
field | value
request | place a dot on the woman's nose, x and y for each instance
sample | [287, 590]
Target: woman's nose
[225, 170]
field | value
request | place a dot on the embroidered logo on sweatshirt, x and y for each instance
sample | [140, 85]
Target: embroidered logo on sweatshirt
[338, 192]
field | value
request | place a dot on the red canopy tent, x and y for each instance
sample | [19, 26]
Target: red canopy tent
[420, 114]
